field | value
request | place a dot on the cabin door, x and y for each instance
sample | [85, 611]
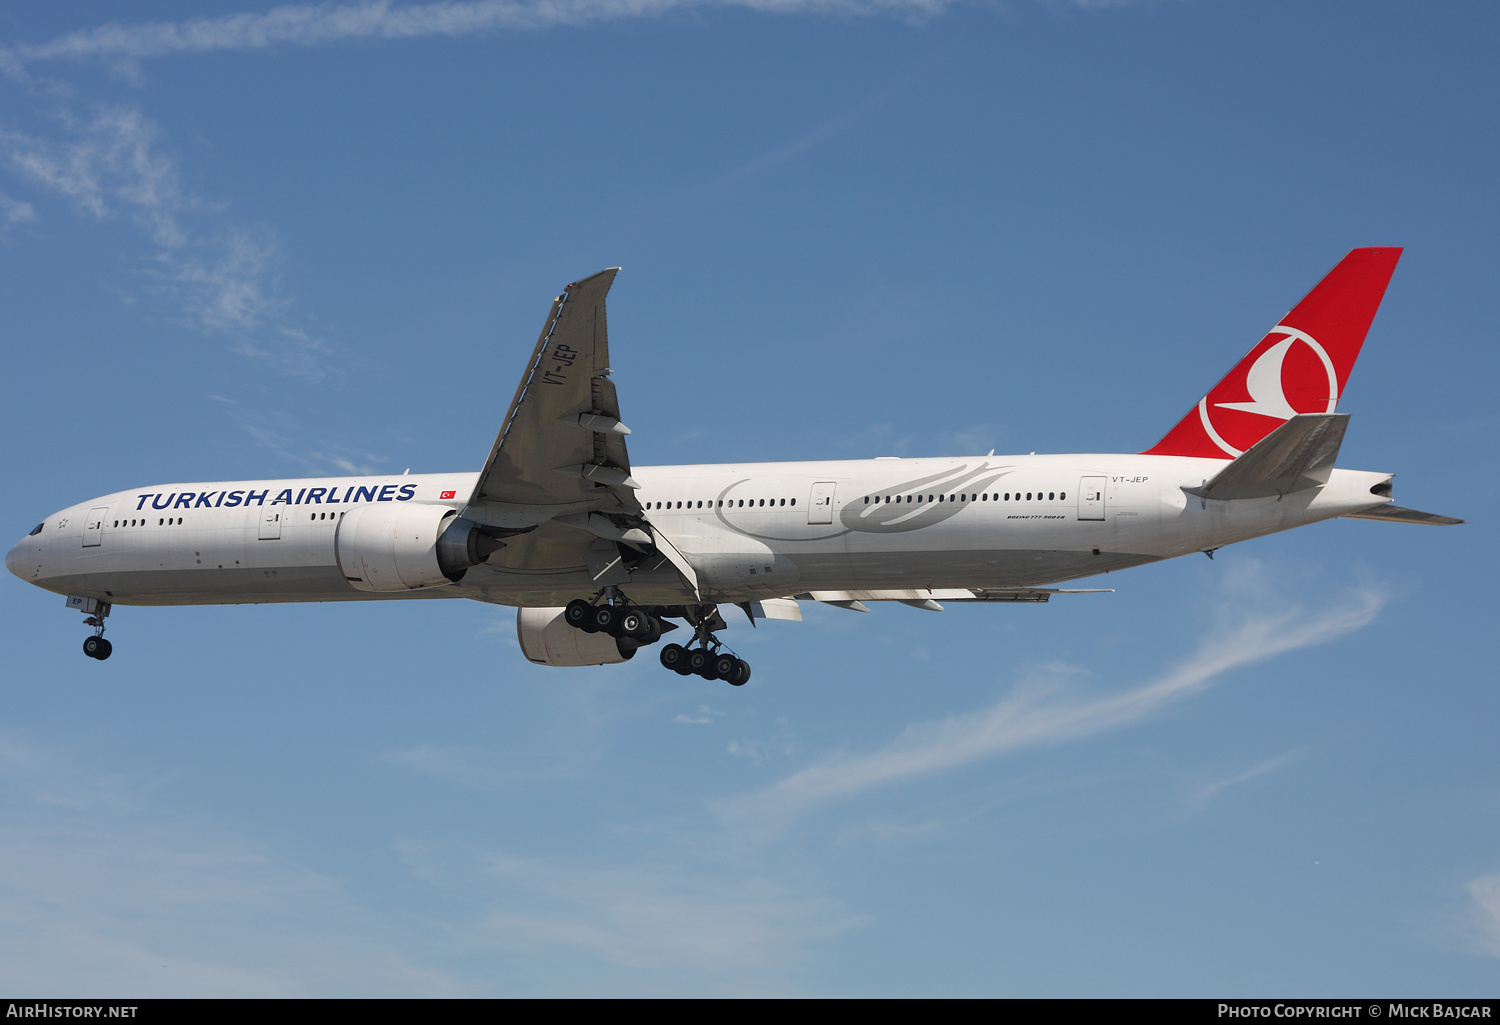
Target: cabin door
[820, 504]
[93, 527]
[1091, 498]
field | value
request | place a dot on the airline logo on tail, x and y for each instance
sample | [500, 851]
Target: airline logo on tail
[1266, 381]
[1301, 366]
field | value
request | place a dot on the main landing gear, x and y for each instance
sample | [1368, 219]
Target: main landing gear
[95, 646]
[611, 613]
[709, 659]
[707, 663]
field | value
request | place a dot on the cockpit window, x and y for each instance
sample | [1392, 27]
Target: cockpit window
[37, 529]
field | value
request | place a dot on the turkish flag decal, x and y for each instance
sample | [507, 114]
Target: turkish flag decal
[446, 494]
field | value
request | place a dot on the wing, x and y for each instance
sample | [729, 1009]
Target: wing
[557, 482]
[562, 441]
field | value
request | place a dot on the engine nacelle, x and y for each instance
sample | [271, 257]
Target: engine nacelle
[407, 547]
[548, 640]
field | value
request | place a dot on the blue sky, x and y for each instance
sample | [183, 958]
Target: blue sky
[239, 241]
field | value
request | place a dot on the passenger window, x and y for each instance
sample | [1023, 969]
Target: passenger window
[1049, 496]
[783, 501]
[794, 501]
[1062, 496]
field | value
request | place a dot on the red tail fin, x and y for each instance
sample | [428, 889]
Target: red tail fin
[1300, 366]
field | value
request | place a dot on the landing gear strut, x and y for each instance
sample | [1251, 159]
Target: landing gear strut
[610, 612]
[709, 659]
[95, 646]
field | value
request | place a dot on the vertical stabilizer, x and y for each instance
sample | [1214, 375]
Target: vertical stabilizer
[1300, 366]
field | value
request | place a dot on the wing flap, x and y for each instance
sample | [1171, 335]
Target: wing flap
[927, 598]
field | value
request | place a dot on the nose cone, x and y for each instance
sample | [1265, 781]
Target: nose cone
[14, 556]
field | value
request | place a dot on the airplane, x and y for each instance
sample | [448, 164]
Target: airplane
[598, 556]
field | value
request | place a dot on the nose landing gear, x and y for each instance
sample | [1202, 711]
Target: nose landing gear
[95, 611]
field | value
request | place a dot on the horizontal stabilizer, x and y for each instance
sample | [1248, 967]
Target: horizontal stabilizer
[1294, 457]
[1396, 514]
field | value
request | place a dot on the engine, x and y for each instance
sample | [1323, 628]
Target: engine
[406, 547]
[548, 640]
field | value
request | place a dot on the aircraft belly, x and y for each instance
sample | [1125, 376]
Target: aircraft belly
[214, 586]
[1023, 567]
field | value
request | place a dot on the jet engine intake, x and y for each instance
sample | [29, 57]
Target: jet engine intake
[548, 640]
[407, 547]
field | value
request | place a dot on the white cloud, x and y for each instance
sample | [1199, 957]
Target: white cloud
[101, 891]
[105, 164]
[466, 766]
[702, 717]
[1207, 792]
[314, 24]
[691, 920]
[1050, 708]
[1485, 892]
[225, 279]
[14, 211]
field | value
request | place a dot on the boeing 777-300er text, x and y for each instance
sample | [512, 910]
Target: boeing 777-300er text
[598, 556]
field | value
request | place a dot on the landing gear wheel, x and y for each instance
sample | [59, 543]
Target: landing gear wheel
[577, 613]
[602, 619]
[741, 674]
[697, 660]
[724, 666]
[674, 657]
[97, 647]
[632, 623]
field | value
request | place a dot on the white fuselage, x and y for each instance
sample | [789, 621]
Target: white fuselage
[751, 531]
